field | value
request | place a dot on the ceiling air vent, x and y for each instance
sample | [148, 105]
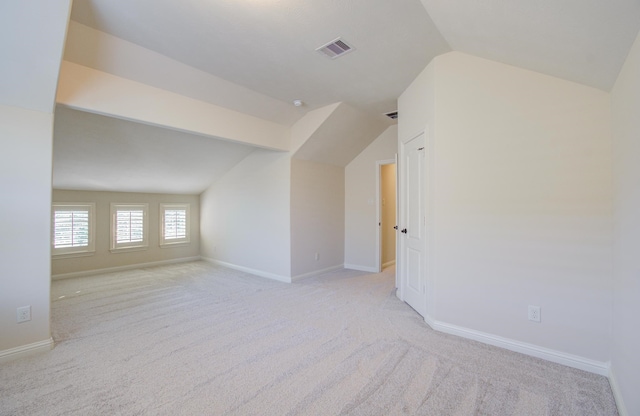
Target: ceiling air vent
[392, 115]
[335, 48]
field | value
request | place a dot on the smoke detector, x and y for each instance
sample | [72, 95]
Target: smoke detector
[335, 48]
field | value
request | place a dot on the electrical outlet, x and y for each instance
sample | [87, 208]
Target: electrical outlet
[534, 313]
[23, 314]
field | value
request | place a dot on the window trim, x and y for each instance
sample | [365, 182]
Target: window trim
[90, 248]
[134, 246]
[164, 243]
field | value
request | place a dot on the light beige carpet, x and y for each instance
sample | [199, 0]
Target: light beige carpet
[197, 339]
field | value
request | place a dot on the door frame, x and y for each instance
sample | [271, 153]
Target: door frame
[379, 164]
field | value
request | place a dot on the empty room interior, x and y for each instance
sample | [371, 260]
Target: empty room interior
[320, 207]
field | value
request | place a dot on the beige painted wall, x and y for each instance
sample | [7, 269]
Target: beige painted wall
[317, 217]
[521, 202]
[625, 362]
[360, 206]
[103, 257]
[388, 212]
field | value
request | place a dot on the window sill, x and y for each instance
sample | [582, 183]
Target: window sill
[127, 249]
[176, 244]
[72, 254]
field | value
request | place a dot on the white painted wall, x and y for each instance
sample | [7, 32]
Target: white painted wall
[304, 128]
[29, 75]
[360, 205]
[317, 217]
[25, 202]
[417, 105]
[245, 216]
[27, 89]
[522, 196]
[92, 48]
[625, 109]
[103, 258]
[87, 89]
[343, 135]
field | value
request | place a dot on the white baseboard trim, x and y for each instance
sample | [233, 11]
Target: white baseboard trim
[360, 268]
[123, 268]
[256, 272]
[617, 395]
[317, 272]
[570, 360]
[428, 319]
[25, 350]
[389, 263]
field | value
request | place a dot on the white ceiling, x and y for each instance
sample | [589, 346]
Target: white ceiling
[268, 46]
[106, 53]
[584, 41]
[94, 152]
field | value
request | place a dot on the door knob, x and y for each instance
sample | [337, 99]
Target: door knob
[404, 230]
[395, 227]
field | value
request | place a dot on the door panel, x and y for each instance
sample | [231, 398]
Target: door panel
[413, 279]
[413, 221]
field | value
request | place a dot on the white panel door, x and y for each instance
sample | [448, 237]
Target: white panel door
[413, 223]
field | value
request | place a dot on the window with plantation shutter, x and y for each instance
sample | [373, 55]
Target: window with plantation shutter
[174, 224]
[72, 229]
[129, 226]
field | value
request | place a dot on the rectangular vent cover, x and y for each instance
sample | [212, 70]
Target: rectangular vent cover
[335, 48]
[392, 115]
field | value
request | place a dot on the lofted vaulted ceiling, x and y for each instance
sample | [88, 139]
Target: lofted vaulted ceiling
[584, 41]
[269, 45]
[94, 152]
[265, 51]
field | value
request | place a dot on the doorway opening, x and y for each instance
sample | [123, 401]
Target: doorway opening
[386, 191]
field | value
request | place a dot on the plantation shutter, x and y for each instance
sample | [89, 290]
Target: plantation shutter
[129, 226]
[175, 224]
[71, 228]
